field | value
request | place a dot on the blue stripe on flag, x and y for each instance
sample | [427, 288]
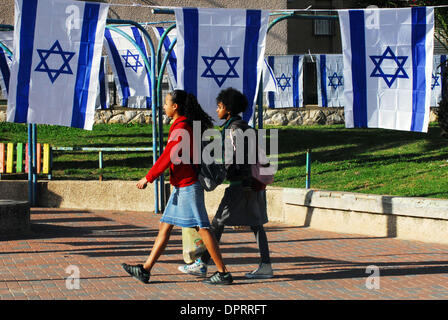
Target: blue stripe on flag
[172, 58]
[27, 28]
[118, 67]
[359, 81]
[103, 84]
[323, 79]
[139, 40]
[86, 49]
[253, 23]
[271, 95]
[296, 84]
[418, 67]
[443, 74]
[4, 69]
[191, 38]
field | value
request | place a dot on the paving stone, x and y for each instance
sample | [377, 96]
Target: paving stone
[308, 263]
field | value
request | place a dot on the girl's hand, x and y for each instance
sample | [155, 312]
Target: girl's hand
[142, 183]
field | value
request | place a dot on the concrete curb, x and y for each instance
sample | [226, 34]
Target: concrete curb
[421, 219]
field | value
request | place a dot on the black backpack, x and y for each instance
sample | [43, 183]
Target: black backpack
[210, 175]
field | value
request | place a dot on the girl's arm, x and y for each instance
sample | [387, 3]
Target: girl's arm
[164, 160]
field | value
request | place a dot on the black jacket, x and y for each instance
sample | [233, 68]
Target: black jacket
[238, 170]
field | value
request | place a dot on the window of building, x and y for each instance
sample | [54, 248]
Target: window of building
[323, 27]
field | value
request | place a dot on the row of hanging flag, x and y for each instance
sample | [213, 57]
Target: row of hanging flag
[384, 78]
[282, 79]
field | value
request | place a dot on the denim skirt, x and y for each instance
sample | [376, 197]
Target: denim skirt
[186, 207]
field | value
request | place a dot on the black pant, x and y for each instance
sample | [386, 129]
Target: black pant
[260, 236]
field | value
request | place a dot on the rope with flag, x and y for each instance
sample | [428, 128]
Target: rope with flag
[388, 62]
[288, 72]
[330, 80]
[57, 54]
[6, 38]
[220, 48]
[131, 76]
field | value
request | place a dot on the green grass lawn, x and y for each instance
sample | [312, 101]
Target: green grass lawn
[356, 160]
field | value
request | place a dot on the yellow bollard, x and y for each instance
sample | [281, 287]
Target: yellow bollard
[46, 160]
[9, 157]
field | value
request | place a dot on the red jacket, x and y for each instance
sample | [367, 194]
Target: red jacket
[181, 175]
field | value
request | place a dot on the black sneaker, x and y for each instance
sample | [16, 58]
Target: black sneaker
[138, 272]
[219, 279]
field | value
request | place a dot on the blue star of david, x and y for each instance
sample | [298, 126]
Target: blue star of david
[389, 78]
[285, 84]
[220, 78]
[136, 57]
[436, 81]
[333, 77]
[55, 49]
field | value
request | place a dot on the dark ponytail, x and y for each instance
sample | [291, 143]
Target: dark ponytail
[190, 108]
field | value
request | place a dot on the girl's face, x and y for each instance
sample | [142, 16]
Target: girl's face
[222, 111]
[169, 107]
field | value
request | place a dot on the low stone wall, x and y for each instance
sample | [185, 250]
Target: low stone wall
[310, 115]
[419, 219]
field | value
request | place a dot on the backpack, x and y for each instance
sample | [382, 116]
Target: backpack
[210, 175]
[262, 170]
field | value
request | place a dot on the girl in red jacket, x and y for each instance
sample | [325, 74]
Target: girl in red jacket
[186, 206]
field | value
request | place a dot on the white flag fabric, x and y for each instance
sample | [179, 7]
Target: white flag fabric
[288, 72]
[171, 66]
[330, 80]
[220, 48]
[437, 79]
[6, 38]
[388, 57]
[103, 100]
[269, 81]
[57, 53]
[131, 76]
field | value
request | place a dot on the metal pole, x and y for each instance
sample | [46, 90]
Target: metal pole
[308, 168]
[161, 69]
[260, 103]
[100, 159]
[30, 164]
[34, 162]
[152, 70]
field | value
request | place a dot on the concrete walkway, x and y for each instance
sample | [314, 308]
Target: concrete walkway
[308, 264]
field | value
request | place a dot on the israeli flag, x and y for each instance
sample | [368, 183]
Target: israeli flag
[269, 81]
[438, 79]
[6, 38]
[103, 100]
[288, 72]
[57, 54]
[388, 58]
[171, 66]
[132, 77]
[220, 48]
[330, 80]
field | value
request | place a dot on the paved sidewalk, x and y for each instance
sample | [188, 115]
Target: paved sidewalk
[308, 264]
